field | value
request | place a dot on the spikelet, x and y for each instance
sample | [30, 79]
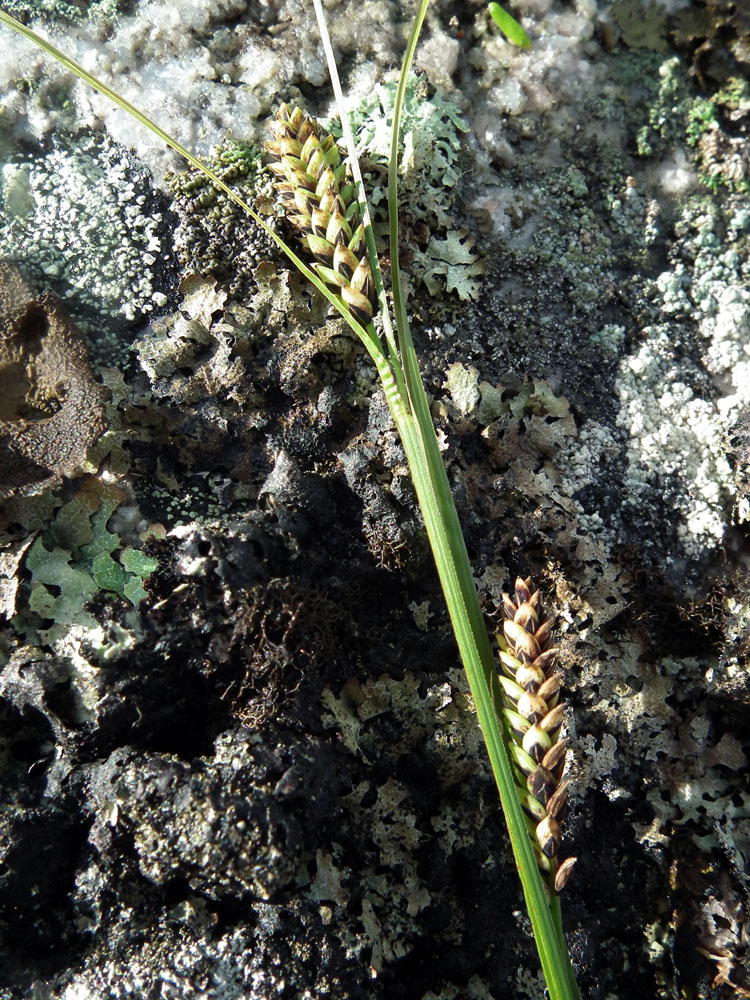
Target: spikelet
[321, 203]
[534, 714]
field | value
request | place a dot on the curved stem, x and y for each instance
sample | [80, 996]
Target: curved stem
[368, 336]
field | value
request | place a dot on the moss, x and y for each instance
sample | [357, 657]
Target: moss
[712, 127]
[700, 118]
[214, 235]
[667, 110]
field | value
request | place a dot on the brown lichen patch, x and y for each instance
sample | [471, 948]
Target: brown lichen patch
[533, 424]
[725, 156]
[642, 26]
[51, 409]
[209, 366]
[716, 33]
[311, 345]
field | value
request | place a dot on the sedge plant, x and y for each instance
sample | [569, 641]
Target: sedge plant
[354, 286]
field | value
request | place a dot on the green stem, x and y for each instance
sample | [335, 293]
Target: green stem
[454, 570]
[557, 920]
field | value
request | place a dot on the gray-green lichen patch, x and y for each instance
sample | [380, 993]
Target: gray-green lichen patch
[582, 226]
[76, 558]
[441, 254]
[62, 10]
[678, 426]
[81, 217]
[400, 825]
[714, 128]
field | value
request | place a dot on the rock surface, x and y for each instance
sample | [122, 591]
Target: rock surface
[240, 760]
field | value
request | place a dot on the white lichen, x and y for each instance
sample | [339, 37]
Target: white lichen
[79, 215]
[673, 432]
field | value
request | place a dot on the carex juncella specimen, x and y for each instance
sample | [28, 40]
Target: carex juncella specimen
[534, 713]
[320, 200]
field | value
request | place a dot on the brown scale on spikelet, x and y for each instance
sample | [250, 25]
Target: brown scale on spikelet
[321, 203]
[534, 714]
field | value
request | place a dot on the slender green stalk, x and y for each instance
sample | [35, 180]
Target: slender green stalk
[399, 373]
[454, 570]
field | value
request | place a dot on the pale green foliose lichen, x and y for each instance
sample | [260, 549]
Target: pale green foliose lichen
[75, 558]
[429, 173]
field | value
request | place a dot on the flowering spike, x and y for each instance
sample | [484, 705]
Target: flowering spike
[534, 714]
[310, 176]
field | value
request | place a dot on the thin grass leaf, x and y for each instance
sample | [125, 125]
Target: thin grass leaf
[367, 336]
[509, 26]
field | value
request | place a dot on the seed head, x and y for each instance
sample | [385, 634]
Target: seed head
[534, 713]
[321, 203]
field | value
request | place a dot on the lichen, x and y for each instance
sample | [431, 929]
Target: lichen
[75, 558]
[714, 128]
[52, 409]
[62, 10]
[643, 24]
[430, 172]
[715, 35]
[82, 218]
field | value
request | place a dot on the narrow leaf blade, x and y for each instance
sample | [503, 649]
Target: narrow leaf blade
[509, 26]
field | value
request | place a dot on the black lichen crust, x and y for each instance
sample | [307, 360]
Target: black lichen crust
[215, 236]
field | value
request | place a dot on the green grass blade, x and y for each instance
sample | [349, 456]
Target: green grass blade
[509, 26]
[367, 335]
[454, 570]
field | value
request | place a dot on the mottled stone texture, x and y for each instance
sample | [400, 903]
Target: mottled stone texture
[51, 409]
[264, 778]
